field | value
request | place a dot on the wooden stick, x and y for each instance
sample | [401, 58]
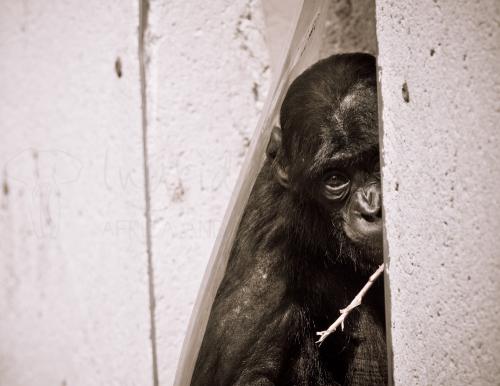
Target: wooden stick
[355, 302]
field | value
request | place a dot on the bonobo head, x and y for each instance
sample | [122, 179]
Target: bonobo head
[326, 156]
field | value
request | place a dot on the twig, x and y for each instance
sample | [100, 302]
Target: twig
[345, 311]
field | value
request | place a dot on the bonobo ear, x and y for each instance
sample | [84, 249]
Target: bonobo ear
[274, 143]
[272, 151]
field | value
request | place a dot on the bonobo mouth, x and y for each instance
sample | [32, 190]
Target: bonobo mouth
[364, 230]
[372, 218]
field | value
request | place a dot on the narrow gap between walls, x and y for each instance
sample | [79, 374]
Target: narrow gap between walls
[143, 24]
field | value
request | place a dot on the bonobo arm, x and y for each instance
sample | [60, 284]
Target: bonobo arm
[246, 335]
[263, 363]
[368, 365]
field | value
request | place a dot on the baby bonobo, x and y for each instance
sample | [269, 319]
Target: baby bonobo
[310, 237]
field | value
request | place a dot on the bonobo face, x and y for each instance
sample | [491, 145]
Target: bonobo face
[354, 193]
[326, 154]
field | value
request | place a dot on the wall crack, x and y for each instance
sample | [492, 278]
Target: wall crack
[143, 25]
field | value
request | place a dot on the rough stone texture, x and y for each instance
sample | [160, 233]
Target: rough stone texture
[350, 27]
[73, 292]
[208, 75]
[440, 74]
[279, 16]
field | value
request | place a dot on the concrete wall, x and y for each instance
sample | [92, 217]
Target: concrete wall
[208, 75]
[87, 277]
[440, 80]
[350, 27]
[73, 292]
[104, 238]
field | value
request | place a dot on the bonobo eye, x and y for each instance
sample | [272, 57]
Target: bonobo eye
[336, 186]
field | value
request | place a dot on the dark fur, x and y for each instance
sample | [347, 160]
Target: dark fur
[292, 267]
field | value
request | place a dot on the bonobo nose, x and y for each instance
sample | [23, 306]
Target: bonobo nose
[370, 206]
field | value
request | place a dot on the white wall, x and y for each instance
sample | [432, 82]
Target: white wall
[73, 293]
[442, 188]
[74, 300]
[208, 75]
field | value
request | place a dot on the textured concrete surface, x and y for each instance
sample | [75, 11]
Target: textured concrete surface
[350, 27]
[73, 292]
[440, 82]
[208, 75]
[278, 19]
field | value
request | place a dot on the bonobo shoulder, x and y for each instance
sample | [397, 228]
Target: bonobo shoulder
[244, 309]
